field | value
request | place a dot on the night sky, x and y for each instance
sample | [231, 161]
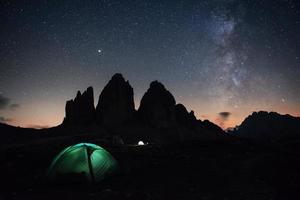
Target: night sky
[221, 58]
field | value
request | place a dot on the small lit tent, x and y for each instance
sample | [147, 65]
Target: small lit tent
[85, 160]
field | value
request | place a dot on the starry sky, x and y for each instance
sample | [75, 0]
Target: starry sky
[223, 59]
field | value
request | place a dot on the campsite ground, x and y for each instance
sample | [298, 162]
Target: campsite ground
[232, 169]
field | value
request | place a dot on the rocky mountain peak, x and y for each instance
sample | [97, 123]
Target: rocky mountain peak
[116, 103]
[183, 116]
[81, 110]
[157, 106]
[158, 117]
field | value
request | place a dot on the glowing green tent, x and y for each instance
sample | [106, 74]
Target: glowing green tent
[87, 160]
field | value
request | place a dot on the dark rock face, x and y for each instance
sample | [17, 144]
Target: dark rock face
[209, 130]
[202, 129]
[157, 107]
[158, 118]
[184, 117]
[158, 110]
[81, 110]
[116, 104]
[268, 126]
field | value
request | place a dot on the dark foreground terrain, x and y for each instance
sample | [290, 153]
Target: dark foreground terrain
[227, 169]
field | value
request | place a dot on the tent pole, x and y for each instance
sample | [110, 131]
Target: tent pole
[90, 164]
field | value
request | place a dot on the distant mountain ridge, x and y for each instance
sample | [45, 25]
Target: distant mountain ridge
[268, 126]
[11, 134]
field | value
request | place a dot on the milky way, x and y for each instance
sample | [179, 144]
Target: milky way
[215, 56]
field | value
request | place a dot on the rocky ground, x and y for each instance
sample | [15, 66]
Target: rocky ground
[232, 169]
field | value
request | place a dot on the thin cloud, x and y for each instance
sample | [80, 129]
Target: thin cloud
[14, 106]
[4, 101]
[224, 115]
[4, 119]
[222, 118]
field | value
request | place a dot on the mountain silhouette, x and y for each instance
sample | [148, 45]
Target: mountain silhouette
[81, 110]
[158, 117]
[116, 103]
[268, 126]
[184, 117]
[157, 107]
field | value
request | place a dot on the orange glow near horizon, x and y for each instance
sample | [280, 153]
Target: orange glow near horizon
[35, 117]
[50, 112]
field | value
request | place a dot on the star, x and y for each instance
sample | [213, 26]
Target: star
[99, 51]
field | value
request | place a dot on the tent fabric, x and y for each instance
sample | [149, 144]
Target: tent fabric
[87, 159]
